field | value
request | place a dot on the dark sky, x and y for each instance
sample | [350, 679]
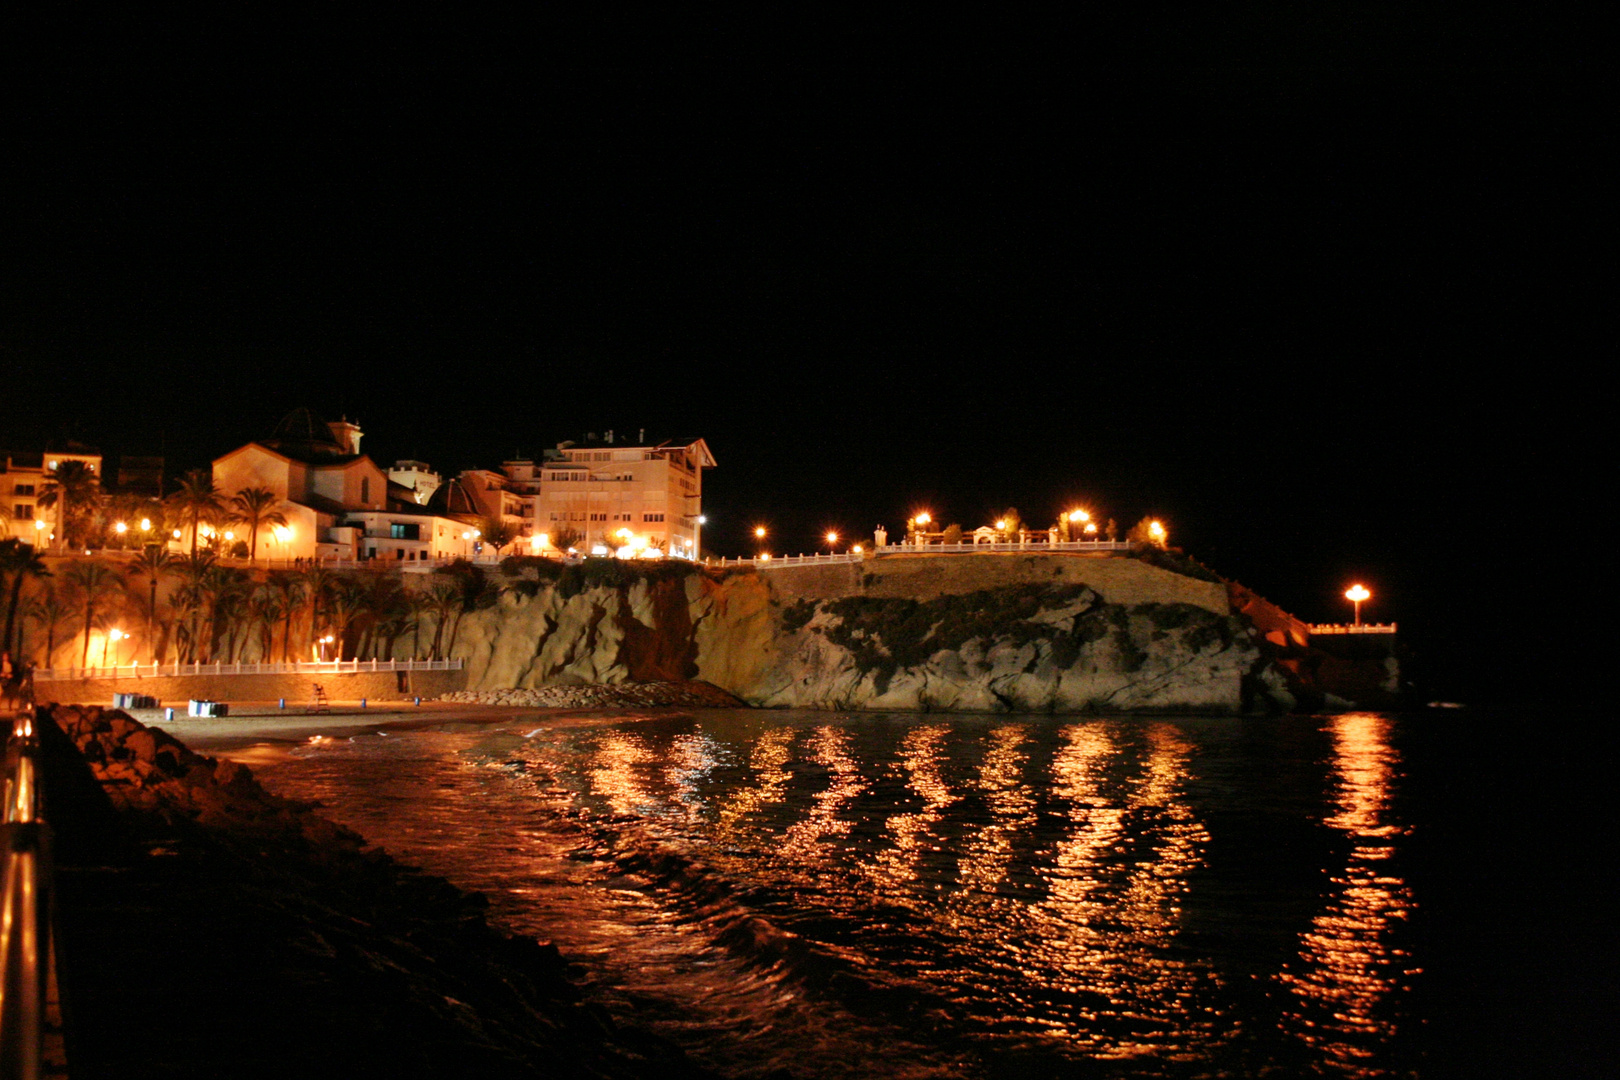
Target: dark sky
[1317, 288]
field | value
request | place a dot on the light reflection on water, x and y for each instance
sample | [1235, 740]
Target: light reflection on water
[801, 894]
[1347, 969]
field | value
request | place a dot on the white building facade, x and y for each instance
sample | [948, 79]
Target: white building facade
[616, 496]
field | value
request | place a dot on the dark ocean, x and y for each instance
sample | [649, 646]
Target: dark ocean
[812, 894]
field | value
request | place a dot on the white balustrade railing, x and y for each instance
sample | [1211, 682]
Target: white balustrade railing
[1034, 547]
[306, 667]
[1352, 628]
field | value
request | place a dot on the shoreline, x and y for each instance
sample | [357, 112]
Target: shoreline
[180, 877]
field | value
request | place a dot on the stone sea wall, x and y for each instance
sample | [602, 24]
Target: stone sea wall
[1061, 633]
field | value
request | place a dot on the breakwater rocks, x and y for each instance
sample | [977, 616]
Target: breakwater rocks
[968, 633]
[601, 696]
[210, 928]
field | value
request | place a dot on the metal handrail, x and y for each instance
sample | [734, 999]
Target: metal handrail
[27, 956]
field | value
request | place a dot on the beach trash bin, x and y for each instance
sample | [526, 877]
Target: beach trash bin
[168, 714]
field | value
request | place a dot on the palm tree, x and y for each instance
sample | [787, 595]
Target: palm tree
[416, 605]
[266, 607]
[197, 500]
[21, 561]
[152, 563]
[442, 598]
[49, 611]
[290, 586]
[256, 507]
[190, 598]
[345, 604]
[74, 489]
[222, 590]
[92, 582]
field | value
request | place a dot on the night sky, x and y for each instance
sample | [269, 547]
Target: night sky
[1316, 288]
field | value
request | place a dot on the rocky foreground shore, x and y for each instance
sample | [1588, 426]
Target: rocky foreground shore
[602, 696]
[209, 928]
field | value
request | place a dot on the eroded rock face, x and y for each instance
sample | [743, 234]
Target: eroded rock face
[1057, 644]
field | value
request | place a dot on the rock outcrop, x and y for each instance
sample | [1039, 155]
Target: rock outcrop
[977, 633]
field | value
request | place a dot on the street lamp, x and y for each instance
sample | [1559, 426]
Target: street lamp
[113, 635]
[1356, 594]
[832, 541]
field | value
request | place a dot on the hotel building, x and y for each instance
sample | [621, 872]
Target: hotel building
[621, 494]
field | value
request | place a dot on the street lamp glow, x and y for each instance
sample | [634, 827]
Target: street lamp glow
[759, 531]
[1356, 594]
[120, 528]
[832, 538]
[925, 518]
[146, 524]
[1079, 515]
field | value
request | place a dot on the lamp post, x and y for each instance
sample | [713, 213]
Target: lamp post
[832, 543]
[759, 534]
[1356, 594]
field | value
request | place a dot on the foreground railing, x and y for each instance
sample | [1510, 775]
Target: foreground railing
[27, 953]
[307, 667]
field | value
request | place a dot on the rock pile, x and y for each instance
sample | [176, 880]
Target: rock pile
[601, 696]
[148, 770]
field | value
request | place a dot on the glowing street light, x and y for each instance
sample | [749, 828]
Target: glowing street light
[832, 539]
[113, 635]
[1157, 533]
[759, 532]
[1356, 594]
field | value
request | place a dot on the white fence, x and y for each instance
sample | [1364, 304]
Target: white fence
[309, 667]
[1353, 628]
[1033, 548]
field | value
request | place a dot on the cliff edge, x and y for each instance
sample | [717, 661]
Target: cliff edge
[994, 632]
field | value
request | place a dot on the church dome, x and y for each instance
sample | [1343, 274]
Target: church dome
[303, 432]
[453, 497]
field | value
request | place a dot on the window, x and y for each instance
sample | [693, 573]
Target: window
[22, 512]
[23, 489]
[399, 531]
[598, 517]
[652, 517]
[365, 489]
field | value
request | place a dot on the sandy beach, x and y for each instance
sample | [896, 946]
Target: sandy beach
[257, 722]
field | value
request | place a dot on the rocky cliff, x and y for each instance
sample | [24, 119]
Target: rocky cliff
[1054, 633]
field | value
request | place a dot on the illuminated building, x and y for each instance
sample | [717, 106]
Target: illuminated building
[619, 493]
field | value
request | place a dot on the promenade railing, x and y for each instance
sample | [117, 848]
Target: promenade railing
[306, 667]
[1032, 548]
[1353, 628]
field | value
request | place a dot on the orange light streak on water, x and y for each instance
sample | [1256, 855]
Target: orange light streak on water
[1107, 928]
[1345, 969]
[829, 748]
[920, 756]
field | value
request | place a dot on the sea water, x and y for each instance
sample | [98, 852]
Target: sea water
[798, 893]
